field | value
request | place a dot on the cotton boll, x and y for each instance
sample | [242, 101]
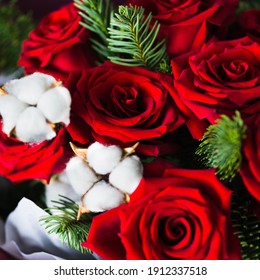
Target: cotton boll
[127, 175]
[10, 109]
[56, 188]
[55, 105]
[32, 126]
[80, 176]
[102, 197]
[103, 158]
[29, 88]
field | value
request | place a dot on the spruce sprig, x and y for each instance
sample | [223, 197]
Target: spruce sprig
[96, 15]
[133, 42]
[246, 226]
[63, 222]
[221, 145]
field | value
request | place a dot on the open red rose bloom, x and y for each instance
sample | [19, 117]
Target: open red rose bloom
[182, 215]
[141, 121]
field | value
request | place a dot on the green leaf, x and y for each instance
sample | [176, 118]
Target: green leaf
[96, 15]
[246, 226]
[133, 42]
[65, 224]
[221, 145]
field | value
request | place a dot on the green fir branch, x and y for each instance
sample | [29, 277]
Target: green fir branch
[133, 42]
[221, 145]
[96, 15]
[63, 222]
[246, 226]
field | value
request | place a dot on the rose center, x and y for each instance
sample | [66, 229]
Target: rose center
[173, 230]
[124, 102]
[235, 70]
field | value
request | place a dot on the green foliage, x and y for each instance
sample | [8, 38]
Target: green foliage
[133, 42]
[63, 222]
[14, 28]
[221, 145]
[246, 226]
[248, 4]
[127, 37]
[96, 15]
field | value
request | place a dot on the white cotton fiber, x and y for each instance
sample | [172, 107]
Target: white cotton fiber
[103, 158]
[29, 88]
[10, 109]
[31, 126]
[127, 175]
[55, 105]
[80, 176]
[56, 188]
[102, 197]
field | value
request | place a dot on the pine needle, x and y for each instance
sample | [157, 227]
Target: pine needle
[96, 15]
[63, 222]
[133, 42]
[221, 145]
[246, 226]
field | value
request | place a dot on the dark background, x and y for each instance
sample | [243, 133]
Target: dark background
[40, 8]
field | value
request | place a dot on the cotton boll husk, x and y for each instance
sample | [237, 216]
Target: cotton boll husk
[60, 187]
[32, 126]
[102, 196]
[127, 175]
[103, 158]
[29, 88]
[10, 109]
[55, 105]
[80, 176]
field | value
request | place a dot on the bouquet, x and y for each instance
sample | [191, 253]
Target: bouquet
[136, 126]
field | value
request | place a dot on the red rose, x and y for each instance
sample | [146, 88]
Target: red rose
[57, 46]
[219, 78]
[187, 24]
[122, 105]
[250, 171]
[185, 214]
[23, 161]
